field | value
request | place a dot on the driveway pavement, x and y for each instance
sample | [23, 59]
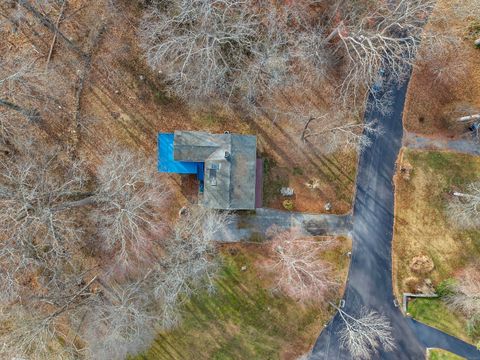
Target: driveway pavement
[467, 146]
[433, 338]
[369, 282]
[245, 227]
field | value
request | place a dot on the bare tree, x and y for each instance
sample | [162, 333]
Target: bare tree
[42, 259]
[10, 131]
[40, 325]
[363, 335]
[121, 321]
[190, 262]
[228, 47]
[36, 192]
[349, 135]
[300, 271]
[198, 44]
[19, 75]
[313, 51]
[22, 84]
[269, 68]
[464, 208]
[248, 52]
[334, 131]
[386, 36]
[130, 205]
[24, 334]
[443, 66]
[42, 274]
[31, 92]
[465, 295]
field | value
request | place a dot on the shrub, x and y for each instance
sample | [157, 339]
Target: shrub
[444, 288]
[288, 205]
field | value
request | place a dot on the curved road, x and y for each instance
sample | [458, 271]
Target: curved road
[369, 281]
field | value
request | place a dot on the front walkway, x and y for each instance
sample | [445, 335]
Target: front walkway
[254, 226]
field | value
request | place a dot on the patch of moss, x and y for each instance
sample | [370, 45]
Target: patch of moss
[288, 205]
[298, 171]
[272, 182]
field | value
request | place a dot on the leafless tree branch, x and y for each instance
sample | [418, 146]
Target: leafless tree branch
[464, 208]
[365, 334]
[300, 270]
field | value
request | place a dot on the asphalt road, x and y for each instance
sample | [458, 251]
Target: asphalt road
[433, 338]
[369, 281]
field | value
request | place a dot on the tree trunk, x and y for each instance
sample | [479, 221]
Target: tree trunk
[31, 114]
[305, 128]
[51, 26]
[334, 32]
[469, 196]
[57, 25]
[89, 200]
[469, 118]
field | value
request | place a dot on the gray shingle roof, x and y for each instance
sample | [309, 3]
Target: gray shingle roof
[230, 166]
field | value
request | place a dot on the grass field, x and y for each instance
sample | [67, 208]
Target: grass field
[435, 313]
[244, 319]
[422, 228]
[438, 354]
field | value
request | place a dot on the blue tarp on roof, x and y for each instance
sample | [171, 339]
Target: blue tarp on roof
[167, 164]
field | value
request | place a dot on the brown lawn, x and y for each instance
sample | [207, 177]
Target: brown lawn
[432, 107]
[422, 230]
[125, 102]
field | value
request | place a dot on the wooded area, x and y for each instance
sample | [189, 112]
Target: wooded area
[94, 257]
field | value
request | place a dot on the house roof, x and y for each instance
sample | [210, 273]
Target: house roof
[167, 164]
[230, 166]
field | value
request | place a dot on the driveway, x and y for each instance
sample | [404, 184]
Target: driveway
[467, 145]
[369, 282]
[433, 338]
[245, 227]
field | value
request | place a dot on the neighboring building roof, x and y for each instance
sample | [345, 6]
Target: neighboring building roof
[166, 162]
[230, 166]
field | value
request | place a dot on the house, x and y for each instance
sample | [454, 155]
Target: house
[225, 164]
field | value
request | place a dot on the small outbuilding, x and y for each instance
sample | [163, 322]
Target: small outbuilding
[225, 164]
